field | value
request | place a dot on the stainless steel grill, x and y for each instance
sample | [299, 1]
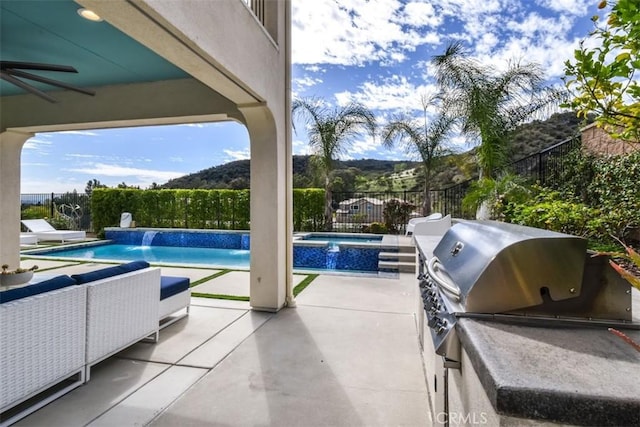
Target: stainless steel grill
[507, 272]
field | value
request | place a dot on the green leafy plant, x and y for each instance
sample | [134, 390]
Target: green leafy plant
[603, 76]
[631, 256]
[496, 194]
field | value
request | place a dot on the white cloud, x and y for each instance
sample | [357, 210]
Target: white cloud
[78, 132]
[194, 125]
[315, 69]
[357, 32]
[37, 143]
[486, 43]
[237, 154]
[396, 93]
[300, 147]
[306, 82]
[81, 156]
[361, 148]
[573, 7]
[419, 14]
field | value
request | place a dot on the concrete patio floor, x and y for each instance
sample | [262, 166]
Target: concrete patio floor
[347, 355]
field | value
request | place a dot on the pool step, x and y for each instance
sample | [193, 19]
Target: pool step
[402, 262]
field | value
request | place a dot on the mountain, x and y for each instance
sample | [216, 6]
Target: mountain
[381, 175]
[537, 135]
[236, 174]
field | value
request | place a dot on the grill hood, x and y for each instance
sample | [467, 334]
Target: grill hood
[493, 267]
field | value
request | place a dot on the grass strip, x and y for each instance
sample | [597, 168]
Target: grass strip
[219, 296]
[206, 279]
[302, 285]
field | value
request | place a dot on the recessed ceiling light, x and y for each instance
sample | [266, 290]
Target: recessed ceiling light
[89, 14]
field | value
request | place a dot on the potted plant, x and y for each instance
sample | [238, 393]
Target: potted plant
[15, 277]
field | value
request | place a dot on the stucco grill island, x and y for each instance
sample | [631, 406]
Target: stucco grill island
[485, 273]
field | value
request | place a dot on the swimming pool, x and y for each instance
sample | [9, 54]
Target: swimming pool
[230, 258]
[226, 249]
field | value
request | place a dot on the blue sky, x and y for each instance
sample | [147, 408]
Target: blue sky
[375, 52]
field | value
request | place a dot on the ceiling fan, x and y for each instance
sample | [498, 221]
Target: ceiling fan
[11, 70]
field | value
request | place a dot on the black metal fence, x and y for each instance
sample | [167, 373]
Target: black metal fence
[357, 211]
[64, 210]
[543, 167]
[546, 165]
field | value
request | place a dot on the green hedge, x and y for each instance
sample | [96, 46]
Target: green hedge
[204, 209]
[308, 209]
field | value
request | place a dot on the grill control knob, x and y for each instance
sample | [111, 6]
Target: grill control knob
[429, 302]
[433, 322]
[441, 325]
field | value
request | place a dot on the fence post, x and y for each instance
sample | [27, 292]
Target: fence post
[51, 206]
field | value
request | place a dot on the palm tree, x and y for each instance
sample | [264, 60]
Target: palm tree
[424, 139]
[331, 132]
[490, 104]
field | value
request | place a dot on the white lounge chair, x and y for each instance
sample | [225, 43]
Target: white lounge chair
[413, 221]
[45, 231]
[28, 239]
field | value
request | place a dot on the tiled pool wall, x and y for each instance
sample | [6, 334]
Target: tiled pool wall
[181, 238]
[345, 256]
[311, 255]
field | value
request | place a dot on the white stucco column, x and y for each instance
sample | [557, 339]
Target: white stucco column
[10, 149]
[270, 242]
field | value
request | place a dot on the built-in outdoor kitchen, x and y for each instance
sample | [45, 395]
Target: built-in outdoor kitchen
[522, 326]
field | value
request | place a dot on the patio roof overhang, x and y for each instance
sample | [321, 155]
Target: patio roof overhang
[154, 78]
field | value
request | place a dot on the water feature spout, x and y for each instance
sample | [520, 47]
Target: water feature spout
[245, 242]
[147, 238]
[333, 251]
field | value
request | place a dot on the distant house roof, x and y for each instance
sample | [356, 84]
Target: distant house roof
[371, 200]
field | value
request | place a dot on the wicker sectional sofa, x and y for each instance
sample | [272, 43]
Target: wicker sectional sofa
[53, 332]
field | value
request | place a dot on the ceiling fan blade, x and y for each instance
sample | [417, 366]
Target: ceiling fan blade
[4, 65]
[48, 81]
[6, 76]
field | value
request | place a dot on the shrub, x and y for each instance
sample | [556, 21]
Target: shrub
[606, 183]
[376, 228]
[396, 213]
[551, 210]
[34, 212]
